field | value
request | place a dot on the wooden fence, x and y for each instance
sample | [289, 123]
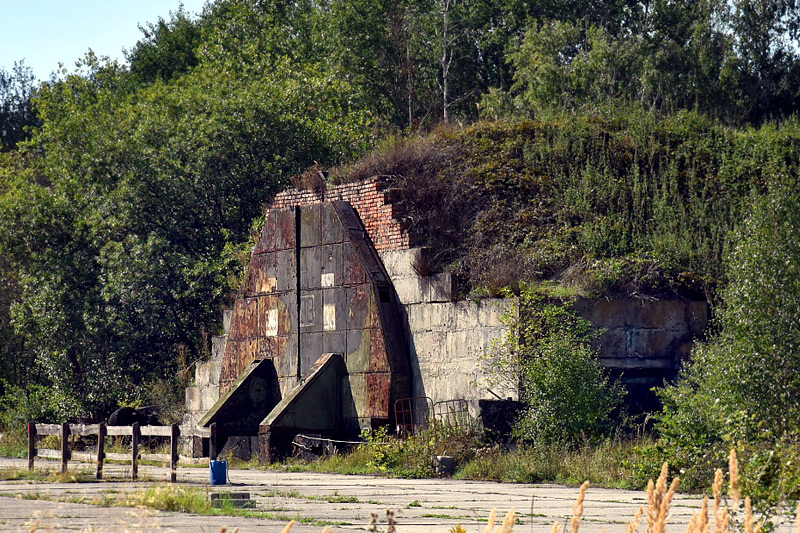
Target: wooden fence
[64, 431]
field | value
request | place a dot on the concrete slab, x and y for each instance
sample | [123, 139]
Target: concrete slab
[421, 505]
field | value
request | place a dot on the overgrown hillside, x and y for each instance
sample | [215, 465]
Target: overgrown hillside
[614, 203]
[612, 147]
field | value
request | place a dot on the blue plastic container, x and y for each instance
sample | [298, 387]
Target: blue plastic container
[219, 472]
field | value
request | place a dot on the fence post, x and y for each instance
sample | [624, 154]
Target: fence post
[101, 448]
[212, 442]
[65, 451]
[173, 445]
[135, 434]
[31, 444]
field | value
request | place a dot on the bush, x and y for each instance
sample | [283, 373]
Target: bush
[608, 463]
[35, 403]
[548, 352]
[741, 389]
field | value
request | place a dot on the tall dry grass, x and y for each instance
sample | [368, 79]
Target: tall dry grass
[660, 494]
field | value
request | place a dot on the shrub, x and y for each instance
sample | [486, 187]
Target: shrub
[741, 388]
[548, 352]
[35, 403]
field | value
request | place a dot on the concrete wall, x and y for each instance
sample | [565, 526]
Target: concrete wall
[447, 339]
[645, 334]
[644, 341]
[201, 396]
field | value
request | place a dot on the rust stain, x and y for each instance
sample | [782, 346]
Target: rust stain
[378, 359]
[356, 273]
[260, 281]
[247, 314]
[256, 273]
[229, 369]
[278, 233]
[272, 348]
[378, 392]
[251, 353]
[357, 308]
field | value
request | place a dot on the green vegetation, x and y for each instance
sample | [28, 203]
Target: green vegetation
[548, 349]
[614, 463]
[620, 202]
[599, 148]
[172, 498]
[608, 462]
[739, 390]
[121, 218]
[40, 475]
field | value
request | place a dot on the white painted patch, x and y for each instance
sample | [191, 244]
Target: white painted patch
[327, 279]
[272, 322]
[329, 317]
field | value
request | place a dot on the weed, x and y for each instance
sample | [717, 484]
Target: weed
[285, 494]
[610, 463]
[341, 498]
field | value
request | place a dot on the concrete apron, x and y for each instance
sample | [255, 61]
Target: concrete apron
[346, 501]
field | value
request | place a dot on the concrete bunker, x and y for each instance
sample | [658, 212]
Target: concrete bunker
[334, 273]
[315, 343]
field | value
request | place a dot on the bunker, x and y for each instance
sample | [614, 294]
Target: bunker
[315, 342]
[336, 323]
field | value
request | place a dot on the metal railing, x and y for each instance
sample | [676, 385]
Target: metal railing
[448, 418]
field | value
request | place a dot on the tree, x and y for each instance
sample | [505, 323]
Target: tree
[767, 36]
[743, 386]
[118, 233]
[16, 110]
[675, 58]
[169, 48]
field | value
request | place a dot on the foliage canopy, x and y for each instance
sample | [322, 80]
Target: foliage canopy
[633, 133]
[742, 386]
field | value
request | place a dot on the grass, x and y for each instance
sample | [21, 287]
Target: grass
[173, 498]
[608, 464]
[341, 498]
[356, 462]
[332, 498]
[728, 514]
[613, 463]
[45, 476]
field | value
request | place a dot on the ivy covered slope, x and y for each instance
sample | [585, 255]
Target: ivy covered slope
[615, 203]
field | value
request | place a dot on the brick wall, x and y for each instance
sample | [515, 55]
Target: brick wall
[371, 200]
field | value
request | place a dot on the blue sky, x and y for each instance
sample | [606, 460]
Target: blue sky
[44, 32]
